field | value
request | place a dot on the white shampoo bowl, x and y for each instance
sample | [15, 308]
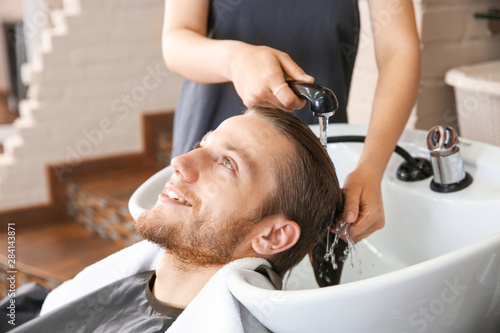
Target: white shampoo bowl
[434, 267]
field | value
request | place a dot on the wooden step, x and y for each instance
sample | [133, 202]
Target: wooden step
[99, 200]
[50, 253]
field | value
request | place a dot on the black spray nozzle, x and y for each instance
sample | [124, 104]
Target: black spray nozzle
[322, 101]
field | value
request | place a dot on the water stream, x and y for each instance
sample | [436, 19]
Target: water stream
[323, 131]
[342, 228]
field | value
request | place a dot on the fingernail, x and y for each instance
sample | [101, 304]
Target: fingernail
[308, 77]
[349, 217]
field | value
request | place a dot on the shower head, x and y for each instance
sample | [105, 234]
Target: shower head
[322, 101]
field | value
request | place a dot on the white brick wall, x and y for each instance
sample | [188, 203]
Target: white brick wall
[100, 68]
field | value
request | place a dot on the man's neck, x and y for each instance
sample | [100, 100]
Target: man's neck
[177, 284]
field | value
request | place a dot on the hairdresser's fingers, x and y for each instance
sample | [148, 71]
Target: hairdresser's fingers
[370, 219]
[371, 211]
[264, 99]
[352, 195]
[276, 95]
[279, 96]
[363, 207]
[257, 71]
[294, 72]
[287, 98]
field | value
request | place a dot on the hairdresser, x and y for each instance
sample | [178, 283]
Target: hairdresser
[237, 53]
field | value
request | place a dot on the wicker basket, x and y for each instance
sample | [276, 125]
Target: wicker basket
[477, 95]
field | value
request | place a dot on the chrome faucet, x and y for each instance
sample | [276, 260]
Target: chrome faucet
[447, 163]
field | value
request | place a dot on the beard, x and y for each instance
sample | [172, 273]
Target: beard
[204, 242]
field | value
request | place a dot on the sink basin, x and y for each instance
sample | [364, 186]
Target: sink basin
[435, 267]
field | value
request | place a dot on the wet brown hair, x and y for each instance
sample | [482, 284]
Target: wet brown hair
[307, 190]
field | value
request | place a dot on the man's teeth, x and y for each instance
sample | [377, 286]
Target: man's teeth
[173, 195]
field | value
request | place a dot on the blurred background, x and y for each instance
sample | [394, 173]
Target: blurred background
[86, 110]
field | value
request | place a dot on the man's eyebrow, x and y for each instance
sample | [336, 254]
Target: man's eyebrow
[245, 157]
[249, 163]
[205, 137]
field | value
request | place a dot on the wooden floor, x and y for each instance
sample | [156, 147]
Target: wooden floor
[51, 247]
[6, 116]
[56, 250]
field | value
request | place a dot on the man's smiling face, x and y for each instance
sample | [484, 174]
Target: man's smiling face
[214, 197]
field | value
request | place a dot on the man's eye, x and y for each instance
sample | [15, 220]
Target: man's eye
[227, 163]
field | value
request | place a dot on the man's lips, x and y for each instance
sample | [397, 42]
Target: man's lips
[173, 193]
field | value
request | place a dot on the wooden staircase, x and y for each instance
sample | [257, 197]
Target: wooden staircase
[88, 218]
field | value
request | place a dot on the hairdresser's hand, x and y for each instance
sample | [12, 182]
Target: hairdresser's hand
[363, 207]
[258, 70]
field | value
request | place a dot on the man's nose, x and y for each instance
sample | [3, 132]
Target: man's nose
[187, 166]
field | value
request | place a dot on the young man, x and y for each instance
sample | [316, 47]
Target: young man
[259, 189]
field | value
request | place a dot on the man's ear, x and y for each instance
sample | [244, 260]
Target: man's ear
[276, 235]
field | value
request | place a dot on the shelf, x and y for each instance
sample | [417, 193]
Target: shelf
[488, 16]
[492, 16]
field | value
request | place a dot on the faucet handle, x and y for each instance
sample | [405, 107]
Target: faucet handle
[442, 139]
[447, 163]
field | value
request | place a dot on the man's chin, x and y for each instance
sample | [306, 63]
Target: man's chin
[147, 225]
[199, 243]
